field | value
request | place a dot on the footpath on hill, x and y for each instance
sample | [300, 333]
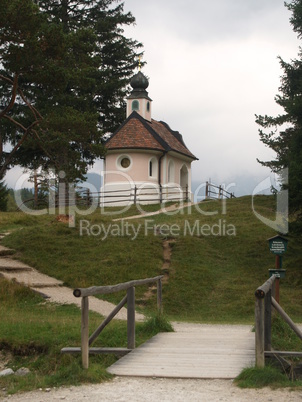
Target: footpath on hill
[50, 288]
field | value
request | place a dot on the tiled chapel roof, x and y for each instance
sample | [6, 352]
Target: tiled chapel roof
[138, 133]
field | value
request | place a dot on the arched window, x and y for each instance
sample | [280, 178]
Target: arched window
[171, 170]
[153, 168]
[148, 106]
[184, 177]
[135, 105]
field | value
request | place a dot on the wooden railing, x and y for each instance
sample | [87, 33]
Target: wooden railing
[265, 300]
[217, 192]
[134, 195]
[129, 299]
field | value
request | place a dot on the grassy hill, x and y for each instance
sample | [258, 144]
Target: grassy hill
[219, 257]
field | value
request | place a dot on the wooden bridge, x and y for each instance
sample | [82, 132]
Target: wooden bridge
[192, 351]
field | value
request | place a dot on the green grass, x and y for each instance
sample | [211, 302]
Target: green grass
[156, 323]
[212, 277]
[283, 337]
[268, 376]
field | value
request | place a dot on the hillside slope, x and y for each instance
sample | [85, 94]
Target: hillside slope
[219, 256]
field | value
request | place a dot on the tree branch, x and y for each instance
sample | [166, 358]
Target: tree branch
[33, 109]
[13, 98]
[15, 122]
[19, 143]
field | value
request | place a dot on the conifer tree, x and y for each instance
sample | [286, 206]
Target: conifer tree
[285, 130]
[65, 69]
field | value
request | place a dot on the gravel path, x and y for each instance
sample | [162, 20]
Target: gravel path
[151, 390]
[141, 389]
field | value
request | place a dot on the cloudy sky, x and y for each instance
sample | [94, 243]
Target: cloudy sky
[212, 66]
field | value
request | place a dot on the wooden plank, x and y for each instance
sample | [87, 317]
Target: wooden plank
[94, 351]
[268, 321]
[286, 318]
[102, 290]
[259, 331]
[131, 318]
[85, 332]
[159, 296]
[282, 353]
[263, 289]
[197, 354]
[107, 320]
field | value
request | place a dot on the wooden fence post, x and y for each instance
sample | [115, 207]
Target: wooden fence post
[85, 332]
[268, 321]
[135, 194]
[259, 332]
[207, 189]
[131, 317]
[159, 296]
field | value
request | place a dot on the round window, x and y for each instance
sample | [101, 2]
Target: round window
[125, 162]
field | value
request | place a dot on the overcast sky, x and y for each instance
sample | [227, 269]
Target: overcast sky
[212, 66]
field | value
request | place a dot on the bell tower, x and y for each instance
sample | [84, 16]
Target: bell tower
[139, 100]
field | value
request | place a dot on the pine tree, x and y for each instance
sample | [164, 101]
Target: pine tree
[73, 66]
[285, 135]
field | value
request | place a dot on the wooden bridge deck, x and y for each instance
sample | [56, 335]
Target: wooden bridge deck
[193, 351]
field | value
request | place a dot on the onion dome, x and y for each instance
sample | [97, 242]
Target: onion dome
[139, 82]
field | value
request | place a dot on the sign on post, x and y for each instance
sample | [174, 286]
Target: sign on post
[278, 244]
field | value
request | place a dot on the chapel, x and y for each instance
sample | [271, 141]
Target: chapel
[146, 161]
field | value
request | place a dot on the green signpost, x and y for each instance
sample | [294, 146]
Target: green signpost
[278, 246]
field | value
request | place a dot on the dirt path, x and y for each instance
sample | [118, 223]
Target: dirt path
[150, 390]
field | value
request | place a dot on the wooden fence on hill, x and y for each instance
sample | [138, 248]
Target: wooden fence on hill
[133, 195]
[216, 192]
[136, 195]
